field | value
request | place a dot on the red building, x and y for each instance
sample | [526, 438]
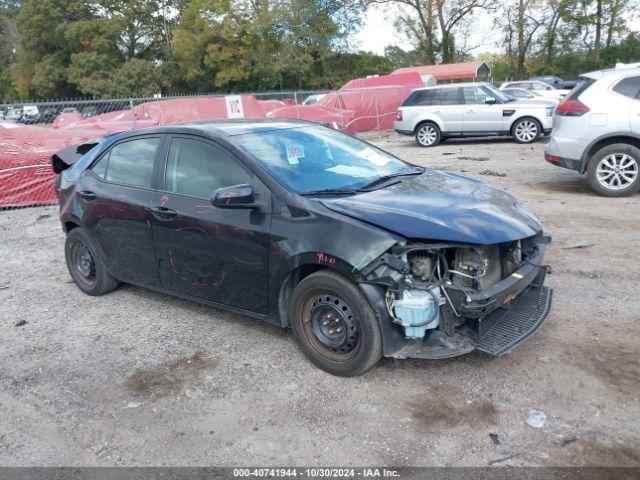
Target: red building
[447, 72]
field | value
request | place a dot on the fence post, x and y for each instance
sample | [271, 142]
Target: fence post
[375, 98]
[295, 100]
[133, 114]
[340, 106]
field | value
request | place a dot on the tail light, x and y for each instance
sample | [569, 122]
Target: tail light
[571, 108]
[399, 115]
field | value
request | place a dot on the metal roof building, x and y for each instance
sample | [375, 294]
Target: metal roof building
[452, 71]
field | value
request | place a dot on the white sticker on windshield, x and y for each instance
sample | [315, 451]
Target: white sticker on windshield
[374, 157]
[295, 151]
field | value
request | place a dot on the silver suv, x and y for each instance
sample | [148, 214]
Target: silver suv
[471, 110]
[597, 130]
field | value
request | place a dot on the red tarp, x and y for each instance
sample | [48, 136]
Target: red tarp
[360, 105]
[26, 177]
[25, 150]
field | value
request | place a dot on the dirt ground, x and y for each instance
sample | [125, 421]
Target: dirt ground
[139, 378]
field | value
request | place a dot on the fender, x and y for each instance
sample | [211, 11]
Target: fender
[393, 338]
[584, 159]
[435, 120]
[301, 266]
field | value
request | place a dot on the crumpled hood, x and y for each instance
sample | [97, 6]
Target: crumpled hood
[442, 206]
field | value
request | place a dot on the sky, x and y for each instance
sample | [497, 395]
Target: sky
[378, 32]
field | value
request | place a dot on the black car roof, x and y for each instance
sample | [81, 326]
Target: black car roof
[224, 128]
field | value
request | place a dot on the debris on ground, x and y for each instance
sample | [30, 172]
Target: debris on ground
[494, 438]
[134, 404]
[21, 323]
[504, 459]
[42, 216]
[447, 153]
[476, 159]
[599, 358]
[578, 246]
[5, 286]
[568, 440]
[493, 173]
[535, 418]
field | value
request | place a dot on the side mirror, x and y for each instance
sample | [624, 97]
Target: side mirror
[490, 100]
[235, 196]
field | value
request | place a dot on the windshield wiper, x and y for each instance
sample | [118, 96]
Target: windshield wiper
[329, 191]
[385, 178]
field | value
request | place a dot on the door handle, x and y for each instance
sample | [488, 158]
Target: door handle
[87, 195]
[470, 111]
[163, 213]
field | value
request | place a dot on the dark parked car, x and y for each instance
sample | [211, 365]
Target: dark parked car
[360, 253]
[556, 81]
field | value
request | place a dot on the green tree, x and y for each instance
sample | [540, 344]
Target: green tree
[399, 58]
[42, 25]
[261, 44]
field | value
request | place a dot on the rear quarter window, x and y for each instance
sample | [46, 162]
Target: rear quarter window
[629, 87]
[419, 98]
[580, 88]
[129, 163]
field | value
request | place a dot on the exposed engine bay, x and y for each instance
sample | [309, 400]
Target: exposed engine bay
[451, 288]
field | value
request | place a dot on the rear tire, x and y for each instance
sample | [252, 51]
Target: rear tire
[614, 170]
[85, 264]
[334, 325]
[526, 130]
[427, 134]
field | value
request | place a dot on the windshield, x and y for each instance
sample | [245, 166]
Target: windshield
[315, 158]
[498, 94]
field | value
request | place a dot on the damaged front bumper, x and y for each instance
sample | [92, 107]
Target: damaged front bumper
[497, 333]
[494, 320]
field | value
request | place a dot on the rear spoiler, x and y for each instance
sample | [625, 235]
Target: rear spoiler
[66, 157]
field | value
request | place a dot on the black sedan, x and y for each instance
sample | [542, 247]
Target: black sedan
[362, 254]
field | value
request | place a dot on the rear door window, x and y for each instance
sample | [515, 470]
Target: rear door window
[629, 87]
[446, 96]
[198, 168]
[129, 163]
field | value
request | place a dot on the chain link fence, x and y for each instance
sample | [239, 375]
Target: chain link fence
[30, 133]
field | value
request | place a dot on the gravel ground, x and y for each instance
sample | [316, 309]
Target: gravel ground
[139, 378]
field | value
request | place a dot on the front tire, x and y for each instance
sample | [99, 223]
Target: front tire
[526, 130]
[428, 134]
[85, 265]
[334, 325]
[614, 170]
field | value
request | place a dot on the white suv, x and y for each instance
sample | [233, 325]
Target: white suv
[597, 130]
[470, 110]
[543, 89]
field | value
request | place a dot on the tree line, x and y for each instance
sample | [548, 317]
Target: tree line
[117, 48]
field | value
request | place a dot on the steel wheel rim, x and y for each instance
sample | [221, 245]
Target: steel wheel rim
[617, 171]
[427, 135]
[526, 130]
[331, 326]
[83, 263]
